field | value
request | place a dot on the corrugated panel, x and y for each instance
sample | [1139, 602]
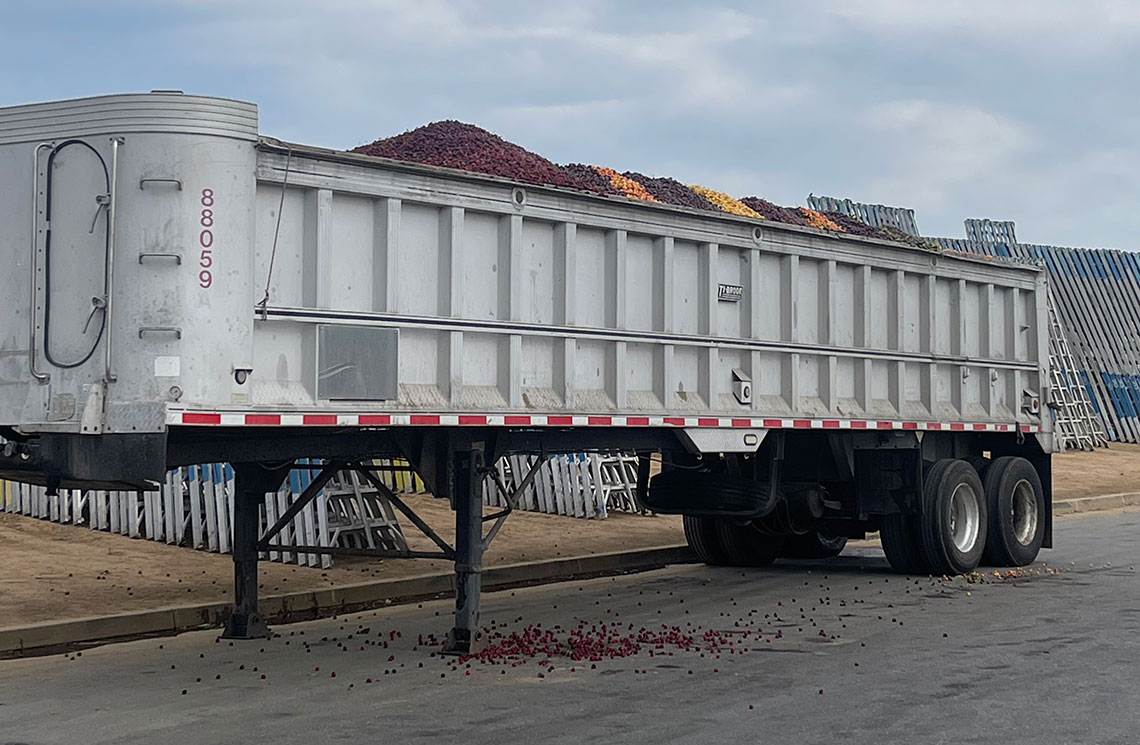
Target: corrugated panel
[875, 215]
[1097, 294]
[129, 113]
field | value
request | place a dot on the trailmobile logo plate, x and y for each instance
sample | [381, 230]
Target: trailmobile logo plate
[729, 293]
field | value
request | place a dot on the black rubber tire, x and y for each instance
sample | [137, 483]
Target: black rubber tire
[701, 534]
[939, 550]
[746, 546]
[980, 463]
[1003, 549]
[684, 492]
[900, 538]
[813, 545]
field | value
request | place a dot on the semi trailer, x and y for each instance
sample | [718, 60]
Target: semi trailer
[179, 289]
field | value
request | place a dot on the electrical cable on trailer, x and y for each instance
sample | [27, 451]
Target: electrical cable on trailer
[98, 304]
[263, 306]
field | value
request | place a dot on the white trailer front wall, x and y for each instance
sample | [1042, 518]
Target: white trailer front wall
[178, 310]
[571, 304]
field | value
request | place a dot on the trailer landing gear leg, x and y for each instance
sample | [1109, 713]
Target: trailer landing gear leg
[251, 482]
[464, 637]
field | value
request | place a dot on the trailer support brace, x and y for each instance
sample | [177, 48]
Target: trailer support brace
[464, 637]
[251, 482]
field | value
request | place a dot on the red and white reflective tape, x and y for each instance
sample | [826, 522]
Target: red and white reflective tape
[329, 419]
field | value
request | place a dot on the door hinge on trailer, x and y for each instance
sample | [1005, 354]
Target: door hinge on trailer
[91, 423]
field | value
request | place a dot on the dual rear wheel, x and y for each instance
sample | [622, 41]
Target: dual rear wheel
[970, 512]
[966, 518]
[1016, 504]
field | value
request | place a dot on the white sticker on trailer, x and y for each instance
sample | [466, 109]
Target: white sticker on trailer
[729, 293]
[167, 367]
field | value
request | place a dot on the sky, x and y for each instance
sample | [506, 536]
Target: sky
[1024, 110]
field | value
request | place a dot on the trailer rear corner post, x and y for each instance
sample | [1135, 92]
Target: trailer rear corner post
[251, 482]
[465, 636]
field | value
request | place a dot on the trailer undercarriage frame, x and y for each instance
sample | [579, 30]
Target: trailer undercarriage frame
[452, 464]
[457, 462]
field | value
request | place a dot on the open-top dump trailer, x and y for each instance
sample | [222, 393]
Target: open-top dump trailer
[178, 289]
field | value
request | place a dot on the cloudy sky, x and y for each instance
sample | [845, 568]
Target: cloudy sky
[1025, 110]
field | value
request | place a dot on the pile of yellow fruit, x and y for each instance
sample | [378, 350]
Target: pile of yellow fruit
[727, 203]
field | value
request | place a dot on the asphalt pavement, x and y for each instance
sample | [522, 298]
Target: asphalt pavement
[807, 652]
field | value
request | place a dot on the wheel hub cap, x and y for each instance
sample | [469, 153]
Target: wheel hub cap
[964, 518]
[1023, 512]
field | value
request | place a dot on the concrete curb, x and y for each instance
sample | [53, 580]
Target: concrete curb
[52, 636]
[1092, 504]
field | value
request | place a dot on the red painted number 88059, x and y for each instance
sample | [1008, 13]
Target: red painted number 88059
[206, 239]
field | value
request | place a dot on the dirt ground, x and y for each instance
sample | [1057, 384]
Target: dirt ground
[51, 572]
[1114, 470]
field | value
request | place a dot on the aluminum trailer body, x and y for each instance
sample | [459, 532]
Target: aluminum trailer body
[178, 288]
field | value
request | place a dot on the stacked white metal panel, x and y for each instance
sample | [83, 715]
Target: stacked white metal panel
[991, 231]
[875, 215]
[194, 508]
[588, 485]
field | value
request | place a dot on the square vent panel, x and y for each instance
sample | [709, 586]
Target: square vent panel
[357, 363]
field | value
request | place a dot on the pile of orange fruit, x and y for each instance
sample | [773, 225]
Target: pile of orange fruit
[625, 185]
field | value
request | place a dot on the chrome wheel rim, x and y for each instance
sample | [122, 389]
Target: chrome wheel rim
[1023, 512]
[965, 517]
